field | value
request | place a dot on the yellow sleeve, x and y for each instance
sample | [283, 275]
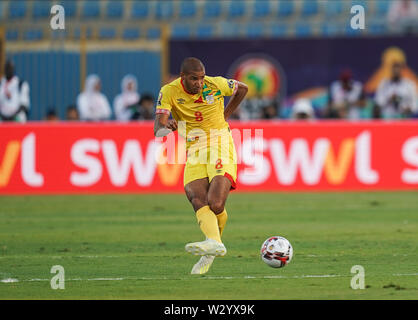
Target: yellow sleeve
[228, 87]
[164, 101]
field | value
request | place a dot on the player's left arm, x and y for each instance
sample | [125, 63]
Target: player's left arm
[236, 99]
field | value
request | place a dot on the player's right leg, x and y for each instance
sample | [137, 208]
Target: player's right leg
[196, 192]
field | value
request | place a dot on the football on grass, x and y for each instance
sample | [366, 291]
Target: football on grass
[276, 252]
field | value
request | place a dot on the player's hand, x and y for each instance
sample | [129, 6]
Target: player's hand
[172, 125]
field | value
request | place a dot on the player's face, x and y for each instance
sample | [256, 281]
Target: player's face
[193, 81]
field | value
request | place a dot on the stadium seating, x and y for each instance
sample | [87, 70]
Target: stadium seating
[180, 31]
[164, 10]
[303, 29]
[107, 33]
[377, 27]
[286, 8]
[153, 33]
[70, 8]
[230, 29]
[41, 9]
[91, 9]
[255, 30]
[333, 8]
[187, 9]
[196, 18]
[131, 33]
[261, 8]
[363, 3]
[278, 30]
[12, 34]
[381, 7]
[114, 9]
[309, 8]
[236, 9]
[33, 35]
[17, 9]
[140, 9]
[329, 29]
[212, 9]
[205, 31]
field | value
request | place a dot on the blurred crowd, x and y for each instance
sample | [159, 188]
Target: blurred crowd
[395, 97]
[91, 104]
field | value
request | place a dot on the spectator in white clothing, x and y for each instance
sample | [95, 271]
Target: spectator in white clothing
[403, 16]
[93, 105]
[346, 97]
[14, 96]
[126, 103]
[396, 97]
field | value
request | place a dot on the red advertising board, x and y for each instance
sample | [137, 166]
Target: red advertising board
[45, 158]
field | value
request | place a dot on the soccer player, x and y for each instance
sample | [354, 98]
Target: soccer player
[197, 100]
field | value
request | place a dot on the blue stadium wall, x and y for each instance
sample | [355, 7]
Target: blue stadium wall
[54, 76]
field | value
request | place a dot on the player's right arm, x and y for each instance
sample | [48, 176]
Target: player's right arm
[162, 124]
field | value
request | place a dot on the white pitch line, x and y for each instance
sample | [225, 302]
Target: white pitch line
[249, 277]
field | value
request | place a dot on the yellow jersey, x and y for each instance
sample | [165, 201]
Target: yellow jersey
[203, 111]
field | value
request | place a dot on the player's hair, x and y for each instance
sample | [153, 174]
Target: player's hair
[191, 64]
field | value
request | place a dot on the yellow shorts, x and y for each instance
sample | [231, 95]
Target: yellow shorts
[219, 159]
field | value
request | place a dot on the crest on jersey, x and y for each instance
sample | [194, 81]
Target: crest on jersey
[210, 99]
[231, 83]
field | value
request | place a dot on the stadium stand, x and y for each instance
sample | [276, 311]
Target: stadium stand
[205, 31]
[286, 8]
[91, 9]
[140, 9]
[164, 10]
[261, 9]
[114, 9]
[41, 9]
[212, 9]
[309, 8]
[131, 33]
[70, 7]
[236, 9]
[180, 31]
[187, 9]
[118, 19]
[17, 9]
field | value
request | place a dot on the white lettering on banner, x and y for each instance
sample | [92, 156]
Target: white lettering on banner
[118, 168]
[28, 162]
[410, 156]
[363, 170]
[131, 157]
[299, 157]
[252, 155]
[88, 162]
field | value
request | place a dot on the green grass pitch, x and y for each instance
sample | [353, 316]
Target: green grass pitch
[132, 246]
